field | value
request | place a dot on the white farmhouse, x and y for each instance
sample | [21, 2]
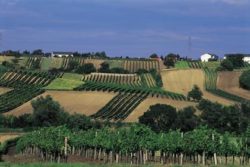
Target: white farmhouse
[247, 59]
[206, 57]
[62, 54]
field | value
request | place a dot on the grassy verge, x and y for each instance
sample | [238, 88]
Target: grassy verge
[72, 76]
[63, 84]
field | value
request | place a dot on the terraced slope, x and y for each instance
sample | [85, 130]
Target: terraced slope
[86, 103]
[229, 82]
[182, 81]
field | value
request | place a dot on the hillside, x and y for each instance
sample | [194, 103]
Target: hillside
[182, 81]
[229, 82]
[144, 106]
[73, 102]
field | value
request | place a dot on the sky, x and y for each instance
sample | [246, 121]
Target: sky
[135, 28]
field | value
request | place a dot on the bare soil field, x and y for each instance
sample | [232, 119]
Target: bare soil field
[229, 81]
[7, 136]
[86, 103]
[144, 106]
[182, 81]
[4, 90]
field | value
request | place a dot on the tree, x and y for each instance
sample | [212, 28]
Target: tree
[119, 70]
[79, 122]
[245, 80]
[195, 93]
[227, 65]
[235, 59]
[86, 68]
[47, 112]
[104, 67]
[38, 52]
[153, 56]
[73, 65]
[159, 117]
[186, 119]
[171, 59]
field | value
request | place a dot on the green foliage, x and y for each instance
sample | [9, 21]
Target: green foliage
[159, 117]
[226, 64]
[195, 93]
[245, 80]
[86, 69]
[47, 112]
[236, 60]
[181, 65]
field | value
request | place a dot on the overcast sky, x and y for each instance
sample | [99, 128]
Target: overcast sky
[126, 27]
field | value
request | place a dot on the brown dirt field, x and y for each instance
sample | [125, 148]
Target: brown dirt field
[182, 81]
[144, 106]
[4, 90]
[6, 136]
[229, 81]
[86, 103]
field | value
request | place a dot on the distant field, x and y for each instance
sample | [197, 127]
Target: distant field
[229, 82]
[63, 84]
[72, 76]
[86, 103]
[182, 81]
[181, 65]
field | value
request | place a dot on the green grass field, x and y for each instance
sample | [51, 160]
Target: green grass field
[45, 63]
[64, 84]
[72, 76]
[181, 65]
[115, 63]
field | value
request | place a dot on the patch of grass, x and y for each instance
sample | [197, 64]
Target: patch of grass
[64, 84]
[181, 65]
[72, 76]
[45, 63]
[115, 63]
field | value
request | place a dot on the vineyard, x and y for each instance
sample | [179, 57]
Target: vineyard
[134, 65]
[211, 86]
[124, 79]
[120, 106]
[137, 144]
[26, 84]
[195, 64]
[94, 86]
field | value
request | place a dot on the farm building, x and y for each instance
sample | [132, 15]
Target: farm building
[62, 54]
[246, 59]
[207, 57]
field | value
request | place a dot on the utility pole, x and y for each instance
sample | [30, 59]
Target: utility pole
[189, 46]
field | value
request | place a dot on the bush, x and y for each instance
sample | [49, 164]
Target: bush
[227, 65]
[245, 80]
[86, 68]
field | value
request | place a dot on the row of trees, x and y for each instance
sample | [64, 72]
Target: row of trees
[137, 144]
[235, 119]
[245, 80]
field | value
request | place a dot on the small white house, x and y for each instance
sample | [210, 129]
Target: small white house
[247, 59]
[206, 57]
[62, 54]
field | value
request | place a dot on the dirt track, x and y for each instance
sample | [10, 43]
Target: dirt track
[229, 81]
[144, 106]
[73, 102]
[182, 81]
[6, 136]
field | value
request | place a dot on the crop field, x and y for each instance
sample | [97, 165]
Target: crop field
[229, 82]
[120, 106]
[4, 90]
[211, 84]
[182, 65]
[134, 65]
[182, 81]
[63, 84]
[195, 64]
[127, 79]
[7, 136]
[6, 58]
[87, 103]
